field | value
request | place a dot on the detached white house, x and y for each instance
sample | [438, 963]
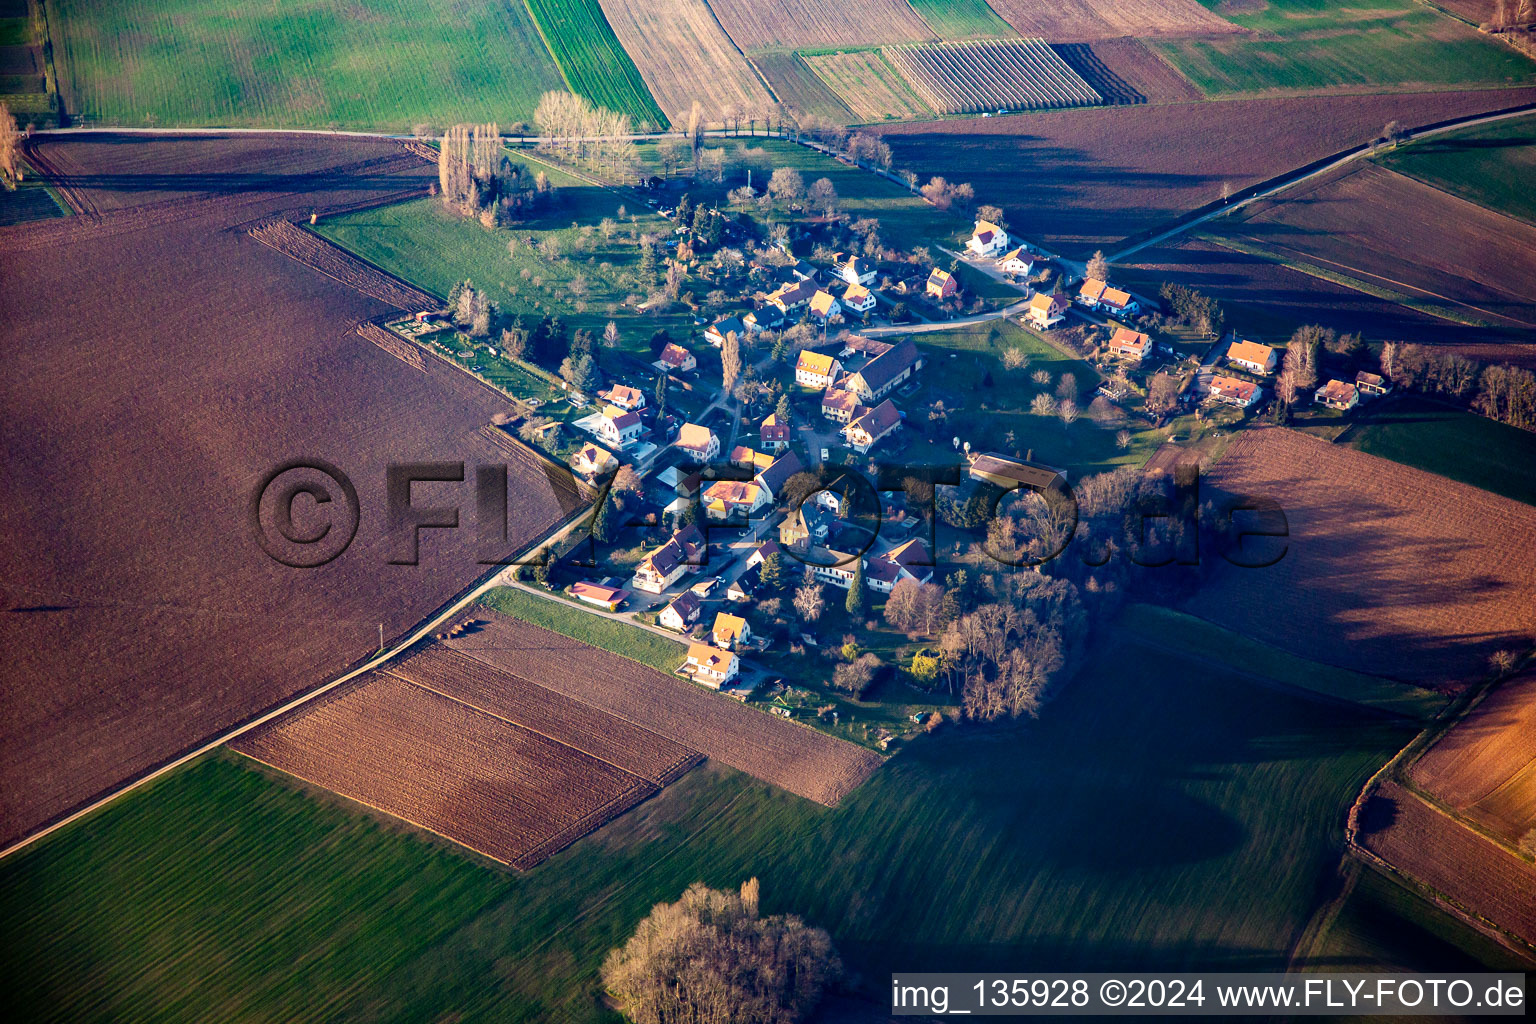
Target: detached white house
[1018, 262]
[987, 239]
[855, 269]
[711, 666]
[816, 370]
[824, 306]
[677, 359]
[1129, 344]
[681, 614]
[697, 440]
[1046, 311]
[1234, 391]
[1253, 357]
[619, 428]
[858, 299]
[868, 430]
[1337, 394]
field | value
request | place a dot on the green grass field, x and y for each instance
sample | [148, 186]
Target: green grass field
[592, 58]
[378, 64]
[433, 248]
[1313, 44]
[1163, 813]
[1492, 165]
[962, 19]
[1450, 442]
[568, 619]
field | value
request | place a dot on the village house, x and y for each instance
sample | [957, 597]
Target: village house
[806, 526]
[730, 630]
[816, 369]
[1090, 292]
[682, 553]
[941, 285]
[599, 595]
[726, 498]
[619, 428]
[678, 359]
[1046, 311]
[1009, 473]
[882, 374]
[1234, 391]
[1338, 394]
[624, 397]
[987, 239]
[1019, 262]
[773, 435]
[763, 550]
[1373, 385]
[804, 271]
[838, 405]
[773, 479]
[750, 458]
[858, 299]
[787, 297]
[1253, 357]
[682, 613]
[1118, 303]
[769, 318]
[591, 462]
[868, 430]
[855, 269]
[711, 666]
[1129, 344]
[835, 567]
[698, 441]
[741, 587]
[824, 306]
[716, 333]
[684, 485]
[909, 561]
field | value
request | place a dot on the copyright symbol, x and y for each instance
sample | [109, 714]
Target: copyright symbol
[305, 513]
[1112, 992]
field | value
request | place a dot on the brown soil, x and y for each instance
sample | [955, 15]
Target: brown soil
[1389, 570]
[1125, 71]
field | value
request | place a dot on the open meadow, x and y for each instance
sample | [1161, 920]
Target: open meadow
[1491, 165]
[1183, 814]
[1351, 588]
[381, 64]
[140, 426]
[962, 19]
[799, 89]
[1099, 175]
[684, 55]
[1303, 45]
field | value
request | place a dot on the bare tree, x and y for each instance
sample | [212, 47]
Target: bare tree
[1389, 354]
[786, 185]
[854, 677]
[1067, 410]
[10, 149]
[1162, 394]
[1098, 267]
[730, 362]
[809, 601]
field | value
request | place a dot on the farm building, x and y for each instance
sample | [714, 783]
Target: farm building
[711, 666]
[730, 630]
[677, 359]
[591, 462]
[787, 297]
[858, 299]
[698, 441]
[618, 427]
[682, 613]
[868, 430]
[824, 306]
[1372, 384]
[909, 561]
[1129, 344]
[773, 435]
[1046, 311]
[773, 479]
[816, 369]
[1253, 357]
[941, 284]
[624, 397]
[1019, 262]
[726, 498]
[1234, 391]
[881, 375]
[599, 595]
[1338, 394]
[987, 239]
[1009, 473]
[839, 405]
[717, 332]
[855, 269]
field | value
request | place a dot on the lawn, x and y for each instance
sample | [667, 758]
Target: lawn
[593, 61]
[434, 248]
[1456, 444]
[1162, 814]
[1313, 44]
[960, 364]
[568, 619]
[1492, 165]
[376, 64]
[962, 19]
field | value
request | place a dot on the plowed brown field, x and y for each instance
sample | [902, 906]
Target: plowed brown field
[790, 756]
[167, 362]
[479, 780]
[1485, 767]
[1453, 860]
[1072, 21]
[789, 24]
[1389, 570]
